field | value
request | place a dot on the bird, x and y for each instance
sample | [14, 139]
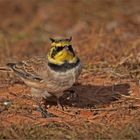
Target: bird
[49, 75]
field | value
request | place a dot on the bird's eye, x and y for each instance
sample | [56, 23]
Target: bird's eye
[71, 49]
[58, 49]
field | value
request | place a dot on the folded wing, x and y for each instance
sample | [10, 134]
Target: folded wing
[33, 69]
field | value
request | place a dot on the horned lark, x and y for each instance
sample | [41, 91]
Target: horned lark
[50, 75]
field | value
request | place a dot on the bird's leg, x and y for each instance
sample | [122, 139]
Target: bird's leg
[39, 107]
[40, 96]
[43, 109]
[59, 104]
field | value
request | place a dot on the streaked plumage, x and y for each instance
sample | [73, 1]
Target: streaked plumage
[51, 75]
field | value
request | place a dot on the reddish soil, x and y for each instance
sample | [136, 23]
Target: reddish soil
[106, 36]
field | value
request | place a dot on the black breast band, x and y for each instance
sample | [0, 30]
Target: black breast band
[64, 67]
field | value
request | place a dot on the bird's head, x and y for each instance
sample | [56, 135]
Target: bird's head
[61, 52]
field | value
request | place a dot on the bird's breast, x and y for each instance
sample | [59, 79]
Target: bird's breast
[65, 78]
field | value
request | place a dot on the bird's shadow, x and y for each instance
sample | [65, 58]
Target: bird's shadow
[91, 95]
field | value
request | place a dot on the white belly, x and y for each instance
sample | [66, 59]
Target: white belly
[58, 82]
[65, 80]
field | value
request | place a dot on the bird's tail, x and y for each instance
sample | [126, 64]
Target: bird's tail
[5, 69]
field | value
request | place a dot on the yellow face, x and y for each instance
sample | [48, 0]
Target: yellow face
[61, 52]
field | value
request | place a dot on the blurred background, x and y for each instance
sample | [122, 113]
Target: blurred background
[103, 31]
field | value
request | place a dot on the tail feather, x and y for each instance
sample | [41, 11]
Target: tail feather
[11, 65]
[5, 69]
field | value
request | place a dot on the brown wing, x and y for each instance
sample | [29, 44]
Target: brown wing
[32, 69]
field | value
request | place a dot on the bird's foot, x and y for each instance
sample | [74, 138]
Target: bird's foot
[42, 108]
[59, 104]
[45, 113]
